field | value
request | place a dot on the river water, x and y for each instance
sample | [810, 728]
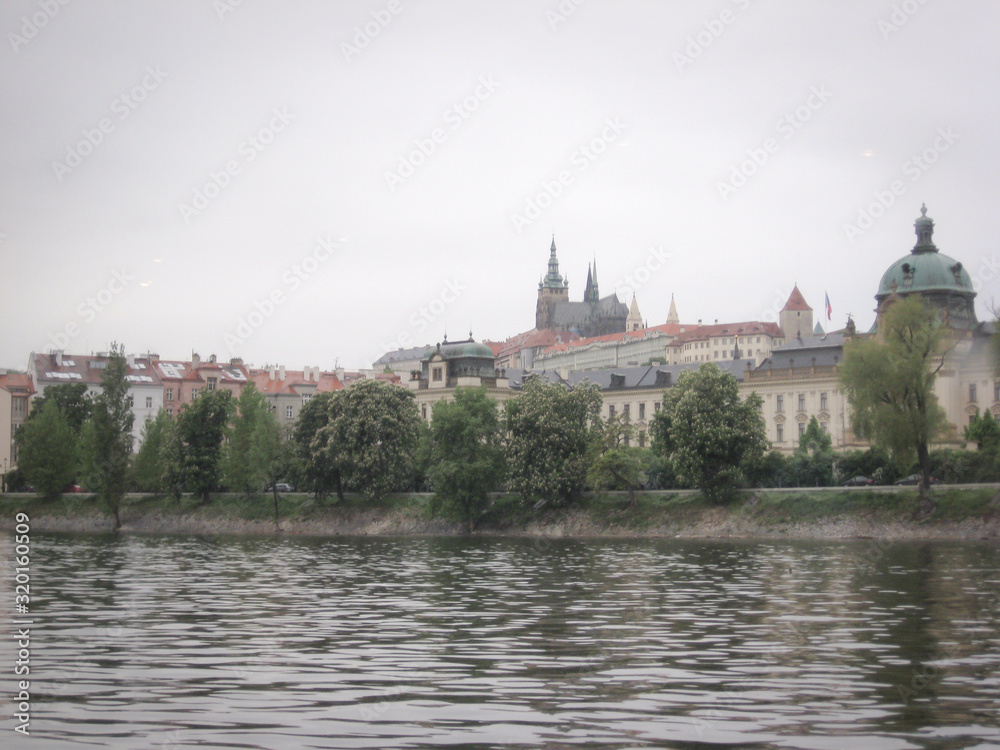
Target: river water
[179, 642]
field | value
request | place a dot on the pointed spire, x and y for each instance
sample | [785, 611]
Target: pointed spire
[672, 316]
[796, 301]
[634, 320]
[553, 280]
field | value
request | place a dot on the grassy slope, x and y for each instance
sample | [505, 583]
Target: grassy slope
[799, 513]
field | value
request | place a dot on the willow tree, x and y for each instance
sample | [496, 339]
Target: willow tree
[889, 382]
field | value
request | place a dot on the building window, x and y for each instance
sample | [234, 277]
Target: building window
[656, 406]
[149, 402]
[170, 394]
[194, 393]
[996, 390]
[781, 433]
[779, 405]
[611, 410]
[802, 429]
[306, 398]
[627, 411]
[972, 393]
[212, 382]
[642, 439]
[288, 412]
[802, 402]
[822, 402]
[437, 374]
[642, 412]
[423, 410]
[822, 426]
[972, 418]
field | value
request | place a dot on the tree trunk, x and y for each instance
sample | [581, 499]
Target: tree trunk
[340, 488]
[926, 506]
[118, 520]
[274, 492]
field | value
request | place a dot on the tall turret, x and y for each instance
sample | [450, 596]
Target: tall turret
[551, 290]
[634, 320]
[796, 317]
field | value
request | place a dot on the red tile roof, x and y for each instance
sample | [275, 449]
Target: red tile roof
[669, 329]
[17, 380]
[294, 382]
[796, 301]
[534, 338]
[747, 328]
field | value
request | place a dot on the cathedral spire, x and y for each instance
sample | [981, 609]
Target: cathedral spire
[553, 279]
[672, 316]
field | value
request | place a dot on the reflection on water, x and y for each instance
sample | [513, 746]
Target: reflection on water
[164, 642]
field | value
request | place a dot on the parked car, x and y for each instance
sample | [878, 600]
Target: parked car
[281, 487]
[74, 488]
[859, 482]
[913, 479]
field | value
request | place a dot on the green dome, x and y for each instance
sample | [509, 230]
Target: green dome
[925, 269]
[925, 272]
[461, 350]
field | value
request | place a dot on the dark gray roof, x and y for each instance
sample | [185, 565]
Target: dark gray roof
[650, 376]
[414, 352]
[578, 313]
[822, 351]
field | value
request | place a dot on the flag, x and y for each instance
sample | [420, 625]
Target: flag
[829, 309]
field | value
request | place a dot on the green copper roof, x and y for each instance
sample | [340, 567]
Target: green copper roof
[925, 268]
[463, 350]
[553, 279]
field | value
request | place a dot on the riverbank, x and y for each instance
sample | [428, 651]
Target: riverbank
[968, 513]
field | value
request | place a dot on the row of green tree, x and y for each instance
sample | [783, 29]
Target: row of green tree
[548, 444]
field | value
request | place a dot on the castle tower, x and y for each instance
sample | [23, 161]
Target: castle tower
[634, 320]
[591, 293]
[552, 289]
[672, 316]
[796, 317]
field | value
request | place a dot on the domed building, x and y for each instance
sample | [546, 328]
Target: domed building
[941, 280]
[800, 380]
[457, 364]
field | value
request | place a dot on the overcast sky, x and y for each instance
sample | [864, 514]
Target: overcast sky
[309, 183]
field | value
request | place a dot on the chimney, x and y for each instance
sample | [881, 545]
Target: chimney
[212, 358]
[57, 356]
[272, 371]
[153, 357]
[195, 361]
[130, 360]
[236, 362]
[281, 373]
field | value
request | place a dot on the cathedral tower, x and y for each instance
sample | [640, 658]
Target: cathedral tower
[552, 289]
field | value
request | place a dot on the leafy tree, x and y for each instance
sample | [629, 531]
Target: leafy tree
[254, 443]
[984, 430]
[467, 455]
[889, 381]
[149, 467]
[812, 463]
[550, 434]
[196, 449]
[109, 436]
[370, 437]
[48, 450]
[423, 458]
[615, 465]
[712, 438]
[771, 471]
[314, 471]
[71, 398]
